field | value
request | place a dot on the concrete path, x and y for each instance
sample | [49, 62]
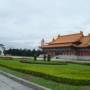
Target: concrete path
[9, 84]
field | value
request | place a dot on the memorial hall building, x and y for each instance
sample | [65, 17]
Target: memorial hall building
[72, 46]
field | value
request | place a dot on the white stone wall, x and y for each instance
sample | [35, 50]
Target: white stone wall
[1, 51]
[72, 57]
[84, 57]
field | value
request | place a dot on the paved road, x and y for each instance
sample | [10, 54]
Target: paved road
[9, 84]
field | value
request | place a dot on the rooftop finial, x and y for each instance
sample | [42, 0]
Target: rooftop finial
[53, 39]
[58, 35]
[89, 34]
[42, 42]
[81, 32]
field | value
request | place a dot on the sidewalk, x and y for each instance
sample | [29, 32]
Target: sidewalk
[11, 82]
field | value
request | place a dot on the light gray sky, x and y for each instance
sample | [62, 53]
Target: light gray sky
[23, 23]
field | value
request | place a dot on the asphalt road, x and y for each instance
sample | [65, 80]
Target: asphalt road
[9, 84]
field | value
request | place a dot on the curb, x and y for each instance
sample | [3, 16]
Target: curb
[24, 82]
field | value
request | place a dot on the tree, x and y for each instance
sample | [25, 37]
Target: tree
[23, 52]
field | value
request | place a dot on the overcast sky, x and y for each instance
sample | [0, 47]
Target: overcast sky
[23, 23]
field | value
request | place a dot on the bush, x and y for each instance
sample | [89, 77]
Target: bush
[6, 58]
[43, 62]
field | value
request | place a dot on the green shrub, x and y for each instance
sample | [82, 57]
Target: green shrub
[6, 58]
[41, 62]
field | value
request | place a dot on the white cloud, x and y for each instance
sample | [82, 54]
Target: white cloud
[26, 22]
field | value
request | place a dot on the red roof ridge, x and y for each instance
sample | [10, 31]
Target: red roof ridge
[72, 34]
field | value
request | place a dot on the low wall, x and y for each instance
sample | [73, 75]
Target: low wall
[72, 57]
[84, 57]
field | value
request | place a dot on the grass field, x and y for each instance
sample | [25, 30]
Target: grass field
[68, 71]
[47, 83]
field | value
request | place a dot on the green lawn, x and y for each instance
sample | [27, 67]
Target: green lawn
[47, 83]
[69, 73]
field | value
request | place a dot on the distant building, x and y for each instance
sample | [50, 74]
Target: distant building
[2, 48]
[73, 46]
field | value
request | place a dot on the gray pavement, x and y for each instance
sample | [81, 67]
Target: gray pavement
[12, 82]
[9, 84]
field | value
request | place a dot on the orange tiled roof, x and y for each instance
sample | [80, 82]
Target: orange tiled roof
[68, 38]
[57, 45]
[85, 41]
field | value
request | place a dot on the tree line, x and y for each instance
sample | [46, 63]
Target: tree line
[22, 52]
